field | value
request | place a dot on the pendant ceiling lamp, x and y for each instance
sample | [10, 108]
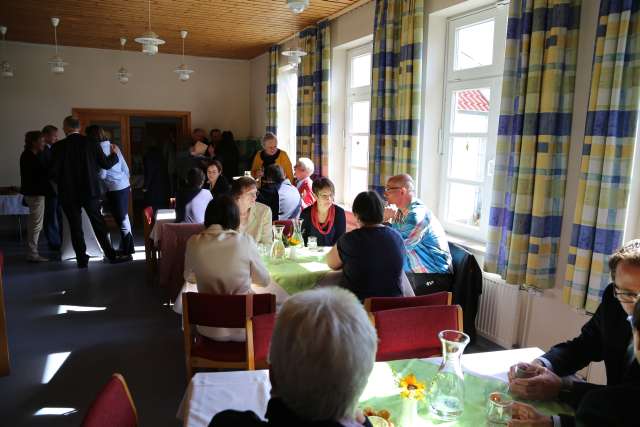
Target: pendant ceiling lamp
[184, 73]
[7, 69]
[123, 75]
[149, 40]
[56, 63]
[297, 6]
[295, 54]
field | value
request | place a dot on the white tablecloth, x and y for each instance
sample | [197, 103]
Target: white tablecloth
[11, 204]
[163, 216]
[210, 393]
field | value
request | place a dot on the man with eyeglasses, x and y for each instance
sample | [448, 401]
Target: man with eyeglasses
[428, 260]
[606, 336]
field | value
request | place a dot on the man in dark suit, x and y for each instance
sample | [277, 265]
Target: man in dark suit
[52, 212]
[606, 336]
[76, 161]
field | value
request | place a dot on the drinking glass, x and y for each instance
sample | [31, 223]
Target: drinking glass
[312, 242]
[247, 173]
[499, 407]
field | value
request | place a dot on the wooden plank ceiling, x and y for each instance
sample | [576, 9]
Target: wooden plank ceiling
[239, 29]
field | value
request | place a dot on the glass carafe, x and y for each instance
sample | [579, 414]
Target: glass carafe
[296, 240]
[277, 247]
[446, 395]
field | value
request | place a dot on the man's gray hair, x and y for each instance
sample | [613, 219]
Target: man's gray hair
[322, 351]
[307, 164]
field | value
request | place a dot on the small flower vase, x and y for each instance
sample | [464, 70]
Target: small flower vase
[408, 413]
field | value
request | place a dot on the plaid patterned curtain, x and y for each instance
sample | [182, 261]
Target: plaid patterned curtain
[272, 90]
[312, 128]
[395, 90]
[607, 153]
[533, 141]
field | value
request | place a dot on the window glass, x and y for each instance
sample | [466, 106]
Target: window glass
[471, 110]
[360, 117]
[361, 71]
[474, 46]
[465, 204]
[467, 158]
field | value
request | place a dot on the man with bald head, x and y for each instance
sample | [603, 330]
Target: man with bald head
[428, 260]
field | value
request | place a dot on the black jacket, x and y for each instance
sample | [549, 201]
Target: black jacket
[34, 176]
[75, 164]
[609, 406]
[466, 287]
[278, 415]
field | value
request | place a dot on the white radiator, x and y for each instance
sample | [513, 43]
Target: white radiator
[499, 311]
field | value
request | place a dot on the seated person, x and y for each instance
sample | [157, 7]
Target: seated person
[222, 261]
[216, 182]
[323, 220]
[428, 260]
[344, 357]
[255, 218]
[192, 201]
[371, 257]
[606, 336]
[303, 171]
[270, 155]
[277, 192]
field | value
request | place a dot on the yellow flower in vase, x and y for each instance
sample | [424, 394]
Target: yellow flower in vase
[293, 241]
[411, 388]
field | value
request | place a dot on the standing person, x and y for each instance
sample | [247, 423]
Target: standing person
[323, 220]
[278, 193]
[428, 260]
[76, 163]
[35, 186]
[216, 181]
[303, 170]
[52, 225]
[227, 151]
[157, 184]
[215, 136]
[192, 200]
[269, 155]
[255, 218]
[116, 183]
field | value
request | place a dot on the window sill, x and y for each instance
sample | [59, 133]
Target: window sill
[475, 246]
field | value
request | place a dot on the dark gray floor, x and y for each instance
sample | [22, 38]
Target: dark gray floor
[136, 335]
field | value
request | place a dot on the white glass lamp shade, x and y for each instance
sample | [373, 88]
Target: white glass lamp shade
[297, 6]
[150, 42]
[123, 75]
[7, 70]
[57, 65]
[183, 72]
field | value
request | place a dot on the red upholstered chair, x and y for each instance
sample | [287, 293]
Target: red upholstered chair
[411, 333]
[173, 245]
[113, 407]
[4, 341]
[389, 303]
[288, 226]
[221, 311]
[262, 331]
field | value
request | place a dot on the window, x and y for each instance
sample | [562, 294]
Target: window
[357, 120]
[287, 99]
[475, 59]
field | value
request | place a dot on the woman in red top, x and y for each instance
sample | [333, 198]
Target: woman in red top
[303, 170]
[323, 220]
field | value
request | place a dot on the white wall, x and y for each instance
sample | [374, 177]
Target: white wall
[218, 93]
[259, 80]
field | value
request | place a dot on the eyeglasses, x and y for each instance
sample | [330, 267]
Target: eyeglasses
[629, 297]
[389, 189]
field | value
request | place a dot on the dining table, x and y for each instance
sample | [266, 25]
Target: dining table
[162, 216]
[484, 373]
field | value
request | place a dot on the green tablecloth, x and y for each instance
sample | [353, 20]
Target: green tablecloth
[300, 274]
[382, 393]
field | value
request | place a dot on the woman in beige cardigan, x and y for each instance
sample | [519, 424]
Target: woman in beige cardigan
[255, 218]
[223, 261]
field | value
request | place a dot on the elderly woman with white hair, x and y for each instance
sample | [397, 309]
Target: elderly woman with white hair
[315, 382]
[303, 170]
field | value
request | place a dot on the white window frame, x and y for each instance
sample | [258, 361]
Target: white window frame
[489, 76]
[358, 94]
[287, 138]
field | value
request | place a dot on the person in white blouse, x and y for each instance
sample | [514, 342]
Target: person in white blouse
[255, 218]
[223, 261]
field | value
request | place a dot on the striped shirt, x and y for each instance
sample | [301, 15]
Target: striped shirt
[424, 239]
